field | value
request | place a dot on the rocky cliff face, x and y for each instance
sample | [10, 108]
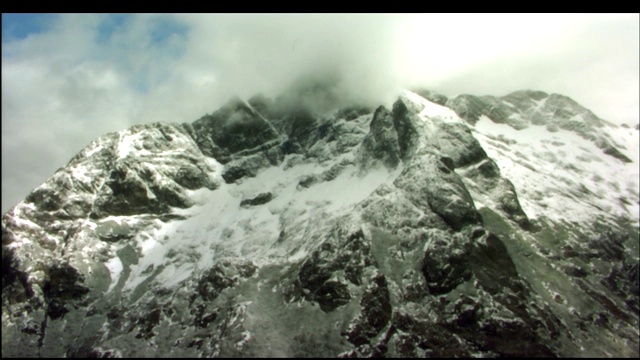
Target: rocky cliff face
[472, 226]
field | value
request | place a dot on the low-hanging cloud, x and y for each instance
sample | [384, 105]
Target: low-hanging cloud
[86, 75]
[267, 53]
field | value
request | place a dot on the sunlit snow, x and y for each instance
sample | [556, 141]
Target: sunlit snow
[556, 173]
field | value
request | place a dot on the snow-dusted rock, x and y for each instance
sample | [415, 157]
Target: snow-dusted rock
[303, 227]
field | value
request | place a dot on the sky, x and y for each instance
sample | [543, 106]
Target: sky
[69, 78]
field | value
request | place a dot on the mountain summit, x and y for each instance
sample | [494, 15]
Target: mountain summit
[470, 226]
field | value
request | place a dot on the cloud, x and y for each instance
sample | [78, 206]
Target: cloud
[67, 79]
[590, 58]
[266, 53]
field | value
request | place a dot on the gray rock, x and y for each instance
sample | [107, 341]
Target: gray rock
[405, 124]
[428, 183]
[382, 141]
[457, 142]
[111, 230]
[260, 199]
[233, 128]
[100, 261]
[432, 96]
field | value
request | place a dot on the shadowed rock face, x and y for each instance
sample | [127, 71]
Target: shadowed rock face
[457, 141]
[306, 227]
[382, 141]
[406, 126]
[233, 128]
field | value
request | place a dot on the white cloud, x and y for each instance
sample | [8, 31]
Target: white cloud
[88, 75]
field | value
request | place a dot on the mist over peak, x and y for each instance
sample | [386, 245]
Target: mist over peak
[325, 91]
[83, 75]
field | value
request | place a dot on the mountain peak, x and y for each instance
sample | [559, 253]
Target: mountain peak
[530, 94]
[309, 226]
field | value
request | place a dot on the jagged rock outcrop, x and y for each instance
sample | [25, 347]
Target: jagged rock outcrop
[526, 107]
[233, 128]
[303, 226]
[382, 141]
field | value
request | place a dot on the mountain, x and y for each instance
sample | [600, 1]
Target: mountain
[470, 226]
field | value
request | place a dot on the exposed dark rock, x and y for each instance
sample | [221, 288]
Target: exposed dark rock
[607, 303]
[203, 319]
[382, 141]
[62, 285]
[611, 150]
[405, 126]
[456, 140]
[314, 275]
[332, 172]
[56, 309]
[63, 282]
[191, 177]
[331, 294]
[235, 127]
[575, 271]
[376, 304]
[126, 193]
[569, 252]
[301, 127]
[624, 281]
[375, 312]
[429, 184]
[523, 99]
[110, 230]
[250, 164]
[146, 322]
[260, 199]
[308, 180]
[512, 339]
[291, 147]
[445, 264]
[448, 162]
[223, 275]
[77, 208]
[231, 174]
[610, 244]
[492, 265]
[15, 285]
[508, 202]
[207, 145]
[93, 353]
[468, 107]
[489, 169]
[45, 198]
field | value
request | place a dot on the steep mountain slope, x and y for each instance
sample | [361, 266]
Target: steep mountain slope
[271, 228]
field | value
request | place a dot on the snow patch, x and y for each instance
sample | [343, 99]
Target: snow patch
[555, 174]
[94, 150]
[115, 270]
[429, 109]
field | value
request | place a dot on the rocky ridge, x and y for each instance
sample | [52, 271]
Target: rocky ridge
[272, 229]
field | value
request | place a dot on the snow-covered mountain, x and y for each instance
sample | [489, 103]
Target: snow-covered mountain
[471, 226]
